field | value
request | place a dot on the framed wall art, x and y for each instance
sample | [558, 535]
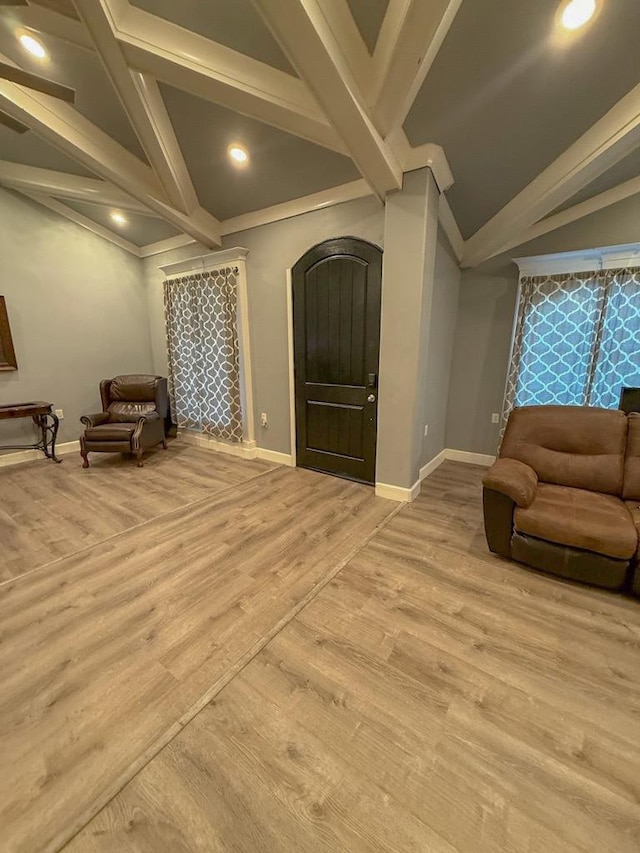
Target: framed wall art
[7, 352]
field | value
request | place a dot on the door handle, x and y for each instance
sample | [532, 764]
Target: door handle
[371, 398]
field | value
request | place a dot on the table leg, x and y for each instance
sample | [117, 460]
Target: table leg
[48, 424]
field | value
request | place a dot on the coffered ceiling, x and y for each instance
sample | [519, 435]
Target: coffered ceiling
[525, 126]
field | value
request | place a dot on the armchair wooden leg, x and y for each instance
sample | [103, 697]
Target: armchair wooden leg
[139, 458]
[164, 443]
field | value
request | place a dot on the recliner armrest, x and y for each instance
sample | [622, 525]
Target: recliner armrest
[512, 478]
[95, 420]
[149, 416]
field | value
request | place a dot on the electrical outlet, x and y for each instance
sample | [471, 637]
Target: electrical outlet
[60, 413]
[495, 418]
[426, 429]
[263, 421]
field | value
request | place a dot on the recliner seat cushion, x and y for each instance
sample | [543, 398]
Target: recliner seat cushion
[110, 432]
[572, 446]
[580, 519]
[631, 490]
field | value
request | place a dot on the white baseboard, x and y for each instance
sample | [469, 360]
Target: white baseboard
[470, 458]
[21, 456]
[431, 466]
[397, 493]
[247, 449]
[275, 456]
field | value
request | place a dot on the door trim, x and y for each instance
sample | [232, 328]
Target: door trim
[292, 378]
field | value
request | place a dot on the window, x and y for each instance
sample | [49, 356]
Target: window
[577, 339]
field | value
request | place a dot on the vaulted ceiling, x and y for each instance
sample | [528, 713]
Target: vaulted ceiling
[525, 125]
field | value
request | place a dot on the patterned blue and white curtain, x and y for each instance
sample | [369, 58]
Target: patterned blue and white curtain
[576, 341]
[204, 356]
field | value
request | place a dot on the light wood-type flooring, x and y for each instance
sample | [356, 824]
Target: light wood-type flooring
[48, 511]
[363, 681]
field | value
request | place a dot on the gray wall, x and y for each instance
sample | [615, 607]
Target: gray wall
[443, 317]
[272, 250]
[485, 321]
[411, 226]
[77, 310]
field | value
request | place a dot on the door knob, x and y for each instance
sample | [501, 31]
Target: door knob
[371, 398]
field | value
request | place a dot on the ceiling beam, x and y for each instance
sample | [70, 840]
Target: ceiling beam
[66, 129]
[195, 64]
[217, 73]
[83, 221]
[64, 185]
[572, 214]
[350, 41]
[411, 35]
[305, 35]
[607, 142]
[143, 105]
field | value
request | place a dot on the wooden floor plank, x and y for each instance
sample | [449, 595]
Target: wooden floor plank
[48, 511]
[431, 698]
[107, 653]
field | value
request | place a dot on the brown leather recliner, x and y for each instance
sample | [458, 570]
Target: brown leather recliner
[132, 420]
[564, 494]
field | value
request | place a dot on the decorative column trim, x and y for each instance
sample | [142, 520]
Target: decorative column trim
[205, 263]
[603, 258]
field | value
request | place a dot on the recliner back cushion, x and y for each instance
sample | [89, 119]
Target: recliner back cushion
[136, 388]
[129, 412]
[631, 490]
[570, 445]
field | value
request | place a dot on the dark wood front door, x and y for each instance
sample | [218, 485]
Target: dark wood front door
[336, 323]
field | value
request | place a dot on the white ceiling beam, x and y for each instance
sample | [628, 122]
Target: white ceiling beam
[64, 185]
[217, 73]
[411, 35]
[195, 64]
[572, 214]
[305, 35]
[350, 41]
[143, 105]
[66, 129]
[607, 142]
[69, 213]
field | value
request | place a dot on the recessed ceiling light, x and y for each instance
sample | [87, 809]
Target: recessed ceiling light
[32, 44]
[576, 13]
[238, 154]
[118, 218]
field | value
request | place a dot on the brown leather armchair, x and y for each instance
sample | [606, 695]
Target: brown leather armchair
[564, 496]
[132, 420]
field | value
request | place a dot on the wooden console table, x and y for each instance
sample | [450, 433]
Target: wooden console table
[44, 418]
